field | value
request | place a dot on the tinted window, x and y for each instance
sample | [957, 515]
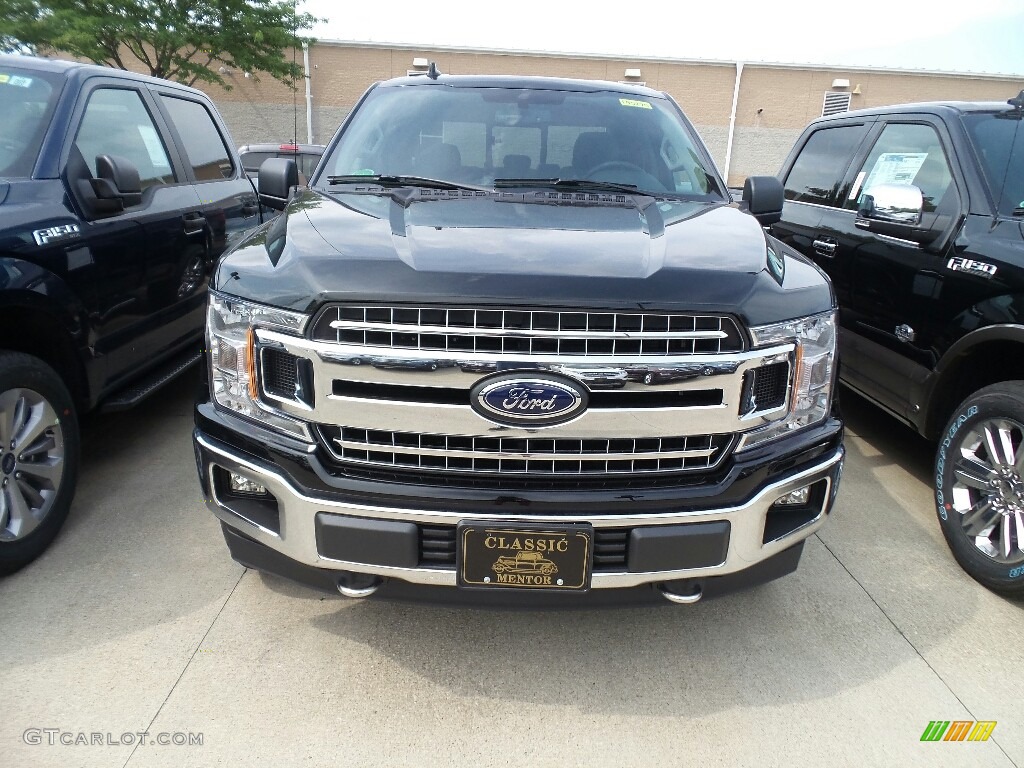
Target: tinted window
[999, 143]
[26, 101]
[204, 145]
[116, 122]
[306, 163]
[821, 165]
[476, 135]
[252, 161]
[907, 153]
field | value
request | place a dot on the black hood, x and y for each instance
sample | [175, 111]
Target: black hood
[502, 248]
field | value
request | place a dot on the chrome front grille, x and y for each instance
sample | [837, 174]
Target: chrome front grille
[527, 332]
[524, 455]
[390, 394]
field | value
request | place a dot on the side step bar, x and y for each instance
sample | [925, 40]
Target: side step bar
[151, 382]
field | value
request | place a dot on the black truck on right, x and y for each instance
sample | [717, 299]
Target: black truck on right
[916, 212]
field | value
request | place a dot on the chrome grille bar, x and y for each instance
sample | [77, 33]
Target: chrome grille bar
[527, 331]
[428, 329]
[524, 455]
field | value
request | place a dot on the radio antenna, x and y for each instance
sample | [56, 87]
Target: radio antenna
[295, 90]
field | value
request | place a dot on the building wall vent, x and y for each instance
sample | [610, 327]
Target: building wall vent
[835, 103]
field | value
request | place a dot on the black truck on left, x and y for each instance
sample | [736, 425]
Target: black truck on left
[117, 194]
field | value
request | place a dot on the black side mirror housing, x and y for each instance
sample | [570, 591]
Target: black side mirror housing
[278, 176]
[117, 178]
[763, 198]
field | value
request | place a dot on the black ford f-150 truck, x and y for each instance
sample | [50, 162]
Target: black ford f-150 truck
[916, 213]
[515, 336]
[117, 194]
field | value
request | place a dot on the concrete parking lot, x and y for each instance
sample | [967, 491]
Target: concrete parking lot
[136, 620]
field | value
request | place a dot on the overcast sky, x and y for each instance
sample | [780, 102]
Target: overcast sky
[961, 35]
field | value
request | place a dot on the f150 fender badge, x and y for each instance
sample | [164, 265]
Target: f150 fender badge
[980, 268]
[524, 400]
[50, 234]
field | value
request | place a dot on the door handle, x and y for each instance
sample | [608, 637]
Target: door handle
[195, 223]
[825, 246]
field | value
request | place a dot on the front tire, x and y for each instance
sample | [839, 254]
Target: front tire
[979, 486]
[39, 457]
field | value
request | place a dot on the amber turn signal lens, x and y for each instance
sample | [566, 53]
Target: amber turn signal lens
[250, 362]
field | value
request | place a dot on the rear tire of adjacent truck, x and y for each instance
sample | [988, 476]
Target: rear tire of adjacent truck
[39, 457]
[979, 486]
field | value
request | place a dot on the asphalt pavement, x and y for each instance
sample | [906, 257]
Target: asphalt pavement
[136, 621]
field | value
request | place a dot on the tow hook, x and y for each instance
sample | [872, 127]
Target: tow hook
[356, 585]
[681, 592]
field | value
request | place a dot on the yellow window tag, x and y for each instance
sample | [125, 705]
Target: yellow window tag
[635, 103]
[4, 78]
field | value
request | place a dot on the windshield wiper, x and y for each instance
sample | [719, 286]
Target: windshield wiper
[391, 181]
[589, 184]
[592, 185]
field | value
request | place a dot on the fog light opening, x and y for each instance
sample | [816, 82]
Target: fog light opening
[796, 498]
[241, 484]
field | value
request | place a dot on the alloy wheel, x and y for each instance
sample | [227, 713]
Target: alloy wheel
[31, 461]
[988, 488]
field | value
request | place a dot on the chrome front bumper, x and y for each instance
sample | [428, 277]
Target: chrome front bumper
[296, 538]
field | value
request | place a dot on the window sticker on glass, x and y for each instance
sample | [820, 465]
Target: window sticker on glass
[895, 168]
[153, 146]
[635, 103]
[16, 80]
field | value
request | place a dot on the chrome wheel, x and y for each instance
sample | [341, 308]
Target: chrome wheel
[31, 461]
[988, 488]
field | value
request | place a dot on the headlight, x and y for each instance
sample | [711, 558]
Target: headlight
[813, 361]
[231, 339]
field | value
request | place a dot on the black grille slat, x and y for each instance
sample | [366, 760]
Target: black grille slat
[437, 547]
[610, 548]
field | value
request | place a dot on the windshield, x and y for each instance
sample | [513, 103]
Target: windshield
[999, 143]
[26, 100]
[480, 135]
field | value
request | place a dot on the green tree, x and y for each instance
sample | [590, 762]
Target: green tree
[183, 40]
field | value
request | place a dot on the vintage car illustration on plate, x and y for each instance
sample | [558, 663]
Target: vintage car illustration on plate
[525, 562]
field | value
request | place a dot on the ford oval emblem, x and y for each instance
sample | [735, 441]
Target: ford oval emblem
[525, 400]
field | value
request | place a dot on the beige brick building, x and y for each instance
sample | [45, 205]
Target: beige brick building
[773, 102]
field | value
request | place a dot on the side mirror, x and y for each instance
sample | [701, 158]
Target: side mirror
[117, 178]
[763, 198]
[895, 210]
[117, 185]
[277, 177]
[893, 203]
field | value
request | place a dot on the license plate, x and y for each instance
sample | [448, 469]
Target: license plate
[550, 557]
